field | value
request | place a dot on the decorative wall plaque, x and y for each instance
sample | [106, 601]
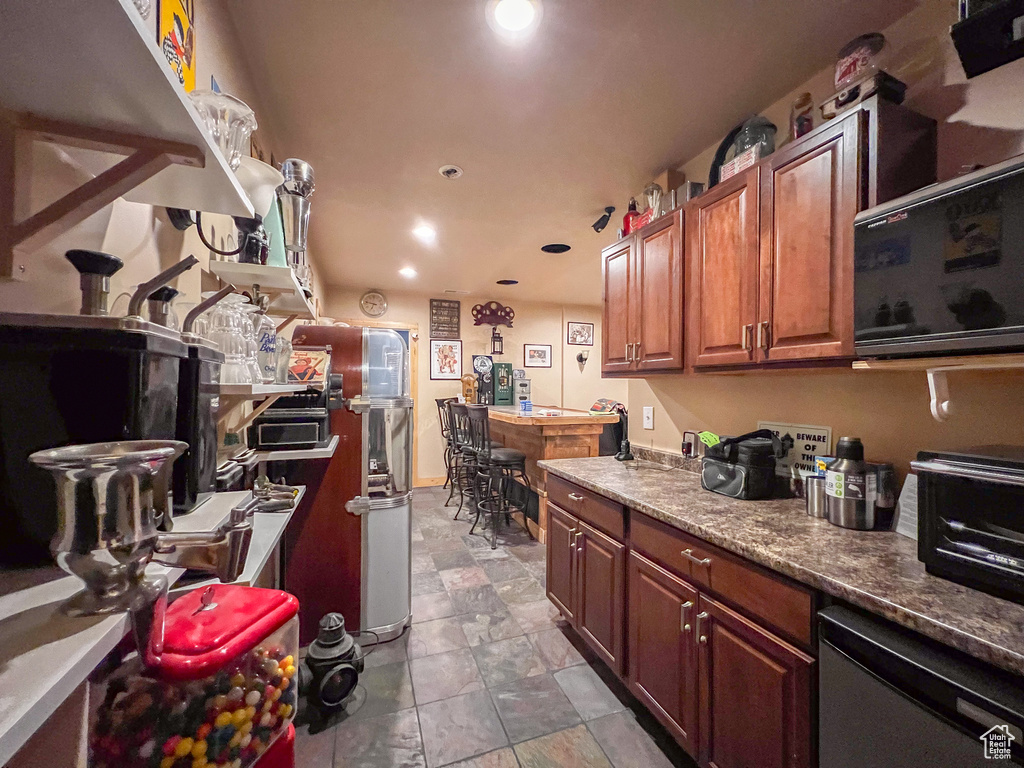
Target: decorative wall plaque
[493, 313]
[444, 318]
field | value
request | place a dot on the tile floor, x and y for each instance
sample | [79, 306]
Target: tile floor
[488, 676]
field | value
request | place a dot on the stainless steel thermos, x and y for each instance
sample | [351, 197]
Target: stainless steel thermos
[849, 487]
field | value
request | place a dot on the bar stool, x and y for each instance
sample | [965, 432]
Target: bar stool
[463, 455]
[495, 473]
[443, 418]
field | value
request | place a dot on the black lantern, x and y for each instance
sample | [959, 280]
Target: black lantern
[497, 343]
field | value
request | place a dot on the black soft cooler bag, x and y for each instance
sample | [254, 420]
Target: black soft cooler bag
[741, 467]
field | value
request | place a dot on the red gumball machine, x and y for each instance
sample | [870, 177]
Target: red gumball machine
[223, 691]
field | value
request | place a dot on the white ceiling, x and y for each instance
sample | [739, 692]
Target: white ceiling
[378, 94]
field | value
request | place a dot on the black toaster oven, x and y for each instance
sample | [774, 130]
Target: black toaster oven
[971, 517]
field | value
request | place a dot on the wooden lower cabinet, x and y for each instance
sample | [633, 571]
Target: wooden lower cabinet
[561, 560]
[755, 694]
[586, 580]
[601, 594]
[731, 693]
[662, 652]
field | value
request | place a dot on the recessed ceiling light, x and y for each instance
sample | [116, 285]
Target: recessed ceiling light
[555, 248]
[513, 18]
[450, 171]
[508, 282]
[425, 233]
[408, 272]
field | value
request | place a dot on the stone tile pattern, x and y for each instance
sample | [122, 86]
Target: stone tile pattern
[876, 570]
[488, 676]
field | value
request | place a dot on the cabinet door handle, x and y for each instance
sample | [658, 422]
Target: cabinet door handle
[688, 554]
[684, 611]
[763, 335]
[572, 541]
[636, 352]
[700, 617]
[745, 334]
[575, 497]
[576, 538]
[628, 348]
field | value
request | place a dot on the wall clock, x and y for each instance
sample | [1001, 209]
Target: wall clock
[373, 304]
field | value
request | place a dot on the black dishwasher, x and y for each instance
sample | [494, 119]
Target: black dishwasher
[890, 699]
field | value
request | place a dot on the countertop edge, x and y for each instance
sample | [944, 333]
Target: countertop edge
[970, 644]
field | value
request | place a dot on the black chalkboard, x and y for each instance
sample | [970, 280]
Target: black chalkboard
[444, 318]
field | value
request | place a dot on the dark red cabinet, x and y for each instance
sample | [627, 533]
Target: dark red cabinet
[662, 654]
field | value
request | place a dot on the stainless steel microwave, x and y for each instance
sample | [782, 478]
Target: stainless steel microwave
[941, 271]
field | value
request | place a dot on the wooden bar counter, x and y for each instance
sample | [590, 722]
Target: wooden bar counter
[547, 433]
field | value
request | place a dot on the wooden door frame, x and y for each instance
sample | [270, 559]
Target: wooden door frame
[414, 366]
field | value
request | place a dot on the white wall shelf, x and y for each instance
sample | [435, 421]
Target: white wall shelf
[259, 391]
[279, 283]
[59, 62]
[62, 83]
[301, 454]
[936, 369]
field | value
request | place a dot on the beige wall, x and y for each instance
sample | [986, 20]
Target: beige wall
[141, 235]
[980, 121]
[565, 384]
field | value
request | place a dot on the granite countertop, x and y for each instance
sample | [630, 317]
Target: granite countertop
[876, 570]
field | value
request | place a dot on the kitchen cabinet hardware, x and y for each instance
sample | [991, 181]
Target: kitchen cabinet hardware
[684, 611]
[763, 336]
[688, 554]
[702, 616]
[575, 497]
[745, 340]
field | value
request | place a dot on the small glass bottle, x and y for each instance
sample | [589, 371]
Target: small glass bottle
[266, 355]
[629, 220]
[801, 119]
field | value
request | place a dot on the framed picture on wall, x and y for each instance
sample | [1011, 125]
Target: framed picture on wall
[580, 334]
[536, 355]
[445, 360]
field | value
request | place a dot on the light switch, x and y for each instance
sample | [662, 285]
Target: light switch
[648, 417]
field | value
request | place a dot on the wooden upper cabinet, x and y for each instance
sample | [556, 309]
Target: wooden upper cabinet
[755, 693]
[659, 262]
[643, 300]
[601, 595]
[810, 193]
[617, 330]
[722, 248]
[662, 651]
[561, 561]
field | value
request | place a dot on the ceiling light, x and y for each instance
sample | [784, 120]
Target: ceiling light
[450, 171]
[408, 272]
[513, 18]
[555, 248]
[508, 282]
[425, 233]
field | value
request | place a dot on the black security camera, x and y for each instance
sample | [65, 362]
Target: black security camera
[603, 221]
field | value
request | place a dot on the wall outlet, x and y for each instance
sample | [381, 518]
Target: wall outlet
[648, 417]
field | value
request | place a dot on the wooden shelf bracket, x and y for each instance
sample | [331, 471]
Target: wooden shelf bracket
[144, 157]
